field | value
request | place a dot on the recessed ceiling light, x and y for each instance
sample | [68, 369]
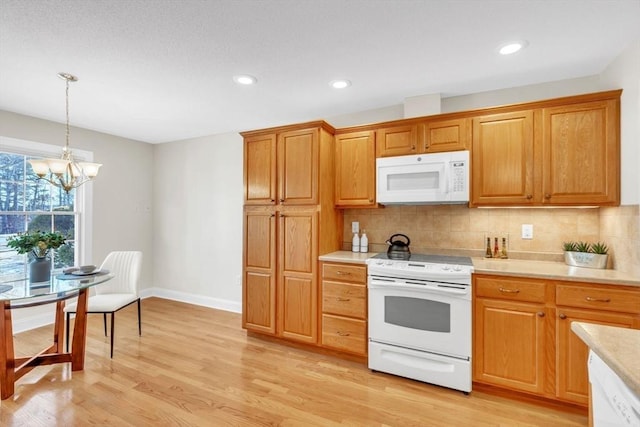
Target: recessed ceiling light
[245, 79]
[512, 47]
[340, 84]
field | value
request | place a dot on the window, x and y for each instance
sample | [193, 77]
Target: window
[27, 204]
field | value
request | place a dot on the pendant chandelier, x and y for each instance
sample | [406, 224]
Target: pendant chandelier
[65, 172]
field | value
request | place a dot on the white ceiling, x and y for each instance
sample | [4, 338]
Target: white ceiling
[161, 70]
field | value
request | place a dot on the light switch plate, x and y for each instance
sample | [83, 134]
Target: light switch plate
[355, 227]
[527, 231]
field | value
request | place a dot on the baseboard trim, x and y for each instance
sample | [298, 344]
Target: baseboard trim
[43, 319]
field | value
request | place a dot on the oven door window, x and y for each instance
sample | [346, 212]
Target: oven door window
[417, 313]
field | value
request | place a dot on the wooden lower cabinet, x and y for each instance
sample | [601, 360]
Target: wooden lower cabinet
[522, 332]
[511, 344]
[281, 277]
[572, 378]
[344, 307]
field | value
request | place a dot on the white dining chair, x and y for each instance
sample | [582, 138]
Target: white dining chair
[115, 294]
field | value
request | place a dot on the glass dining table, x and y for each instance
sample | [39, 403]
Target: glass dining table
[20, 293]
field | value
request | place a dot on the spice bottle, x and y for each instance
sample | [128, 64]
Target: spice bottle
[503, 253]
[488, 253]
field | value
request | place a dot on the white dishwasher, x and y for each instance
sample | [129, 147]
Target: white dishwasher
[614, 404]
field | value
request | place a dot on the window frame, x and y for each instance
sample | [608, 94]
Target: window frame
[84, 194]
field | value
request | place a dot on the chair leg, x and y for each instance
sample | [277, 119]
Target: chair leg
[67, 326]
[113, 315]
[104, 321]
[139, 319]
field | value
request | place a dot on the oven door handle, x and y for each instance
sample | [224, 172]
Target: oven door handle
[377, 284]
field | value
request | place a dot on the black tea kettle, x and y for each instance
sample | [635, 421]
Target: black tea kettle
[397, 248]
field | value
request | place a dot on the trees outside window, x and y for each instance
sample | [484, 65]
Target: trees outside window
[29, 204]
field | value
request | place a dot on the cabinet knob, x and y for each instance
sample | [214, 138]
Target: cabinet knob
[281, 200]
[343, 334]
[540, 314]
[273, 200]
[529, 196]
[547, 195]
[343, 299]
[426, 146]
[272, 215]
[413, 148]
[563, 316]
[509, 291]
[370, 200]
[343, 273]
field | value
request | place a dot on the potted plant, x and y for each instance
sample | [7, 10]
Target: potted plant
[37, 245]
[584, 254]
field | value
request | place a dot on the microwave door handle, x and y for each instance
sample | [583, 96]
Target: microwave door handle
[445, 174]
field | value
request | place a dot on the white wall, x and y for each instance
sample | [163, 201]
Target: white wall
[198, 220]
[624, 72]
[121, 193]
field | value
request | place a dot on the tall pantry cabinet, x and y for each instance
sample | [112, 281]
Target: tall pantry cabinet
[289, 219]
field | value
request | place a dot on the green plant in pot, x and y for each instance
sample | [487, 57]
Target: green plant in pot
[584, 254]
[37, 245]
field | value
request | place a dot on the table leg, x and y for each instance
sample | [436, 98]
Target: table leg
[79, 332]
[58, 328]
[7, 357]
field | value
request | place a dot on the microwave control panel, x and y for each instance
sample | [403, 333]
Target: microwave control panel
[458, 183]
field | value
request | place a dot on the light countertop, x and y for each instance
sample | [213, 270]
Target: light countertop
[618, 347]
[553, 270]
[517, 267]
[348, 257]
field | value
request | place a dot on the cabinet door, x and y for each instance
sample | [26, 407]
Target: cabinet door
[297, 295]
[397, 141]
[572, 378]
[581, 154]
[355, 169]
[446, 135]
[259, 284]
[260, 170]
[298, 167]
[510, 344]
[502, 159]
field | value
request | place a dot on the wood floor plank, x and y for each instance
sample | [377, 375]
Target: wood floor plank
[195, 366]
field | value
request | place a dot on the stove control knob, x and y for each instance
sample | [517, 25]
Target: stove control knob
[445, 267]
[457, 268]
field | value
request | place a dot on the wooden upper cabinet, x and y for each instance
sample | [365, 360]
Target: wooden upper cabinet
[282, 168]
[260, 170]
[446, 135]
[298, 167]
[581, 154]
[503, 159]
[397, 140]
[355, 179]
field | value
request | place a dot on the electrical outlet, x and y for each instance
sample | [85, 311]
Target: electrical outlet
[238, 280]
[355, 227]
[527, 231]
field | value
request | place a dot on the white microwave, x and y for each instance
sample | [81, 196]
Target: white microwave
[439, 178]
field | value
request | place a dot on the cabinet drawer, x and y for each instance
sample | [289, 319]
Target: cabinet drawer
[344, 334]
[345, 273]
[625, 301]
[511, 289]
[344, 299]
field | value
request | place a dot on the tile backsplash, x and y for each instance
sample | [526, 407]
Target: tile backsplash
[457, 229]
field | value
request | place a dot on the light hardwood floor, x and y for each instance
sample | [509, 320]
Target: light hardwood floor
[195, 366]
